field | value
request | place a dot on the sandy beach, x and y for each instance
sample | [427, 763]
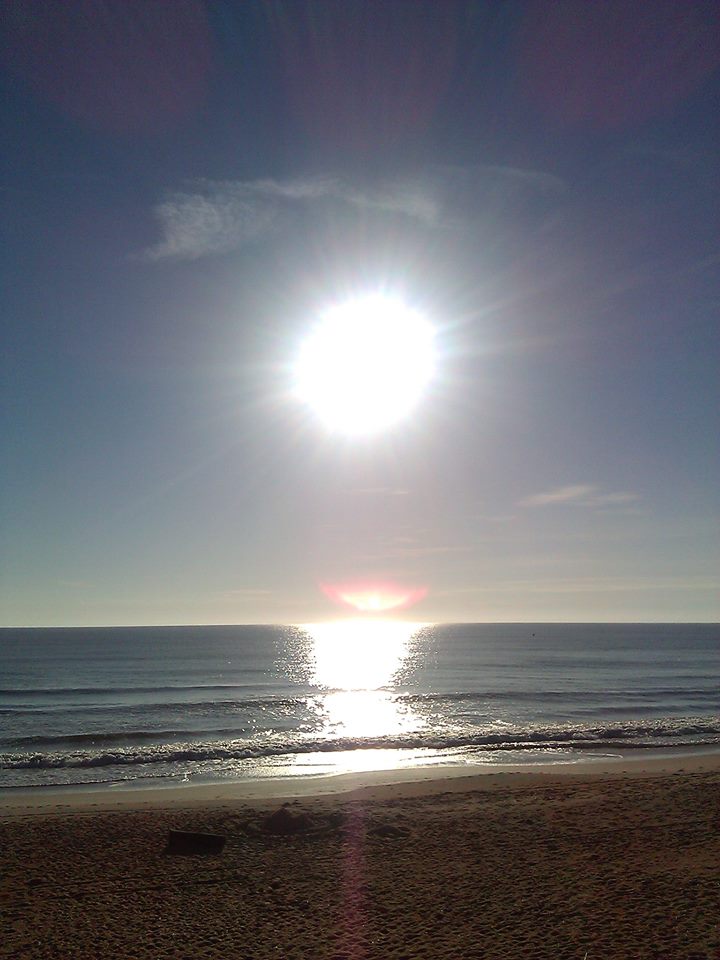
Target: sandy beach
[591, 862]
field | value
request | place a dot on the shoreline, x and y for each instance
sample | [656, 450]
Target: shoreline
[376, 785]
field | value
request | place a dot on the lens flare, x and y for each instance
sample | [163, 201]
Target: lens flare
[373, 597]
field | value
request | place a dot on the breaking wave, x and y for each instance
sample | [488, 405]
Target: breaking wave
[676, 732]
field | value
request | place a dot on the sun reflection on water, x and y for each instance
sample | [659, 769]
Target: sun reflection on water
[356, 661]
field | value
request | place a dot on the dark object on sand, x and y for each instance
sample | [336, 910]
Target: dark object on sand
[184, 843]
[285, 822]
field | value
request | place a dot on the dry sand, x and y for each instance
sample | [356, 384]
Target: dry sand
[621, 862]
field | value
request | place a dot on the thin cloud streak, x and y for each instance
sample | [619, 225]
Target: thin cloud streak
[579, 495]
[216, 217]
[380, 492]
[244, 592]
[427, 551]
[587, 585]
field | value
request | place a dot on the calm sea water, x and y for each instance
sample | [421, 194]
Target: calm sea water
[211, 703]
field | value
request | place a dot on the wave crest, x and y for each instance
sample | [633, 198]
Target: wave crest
[683, 732]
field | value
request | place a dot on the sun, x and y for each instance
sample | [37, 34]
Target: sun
[365, 364]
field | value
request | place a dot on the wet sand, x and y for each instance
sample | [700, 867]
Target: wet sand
[602, 863]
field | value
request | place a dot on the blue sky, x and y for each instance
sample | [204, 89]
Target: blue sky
[186, 187]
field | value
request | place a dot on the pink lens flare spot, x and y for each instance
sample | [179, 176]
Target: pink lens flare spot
[380, 597]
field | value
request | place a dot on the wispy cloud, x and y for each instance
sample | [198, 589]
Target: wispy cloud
[579, 495]
[242, 593]
[397, 549]
[381, 491]
[495, 518]
[430, 550]
[560, 585]
[215, 217]
[414, 546]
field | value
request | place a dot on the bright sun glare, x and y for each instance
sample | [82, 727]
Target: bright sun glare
[365, 364]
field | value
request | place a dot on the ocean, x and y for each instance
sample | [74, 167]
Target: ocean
[151, 705]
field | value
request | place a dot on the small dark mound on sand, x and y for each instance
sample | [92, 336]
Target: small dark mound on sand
[284, 822]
